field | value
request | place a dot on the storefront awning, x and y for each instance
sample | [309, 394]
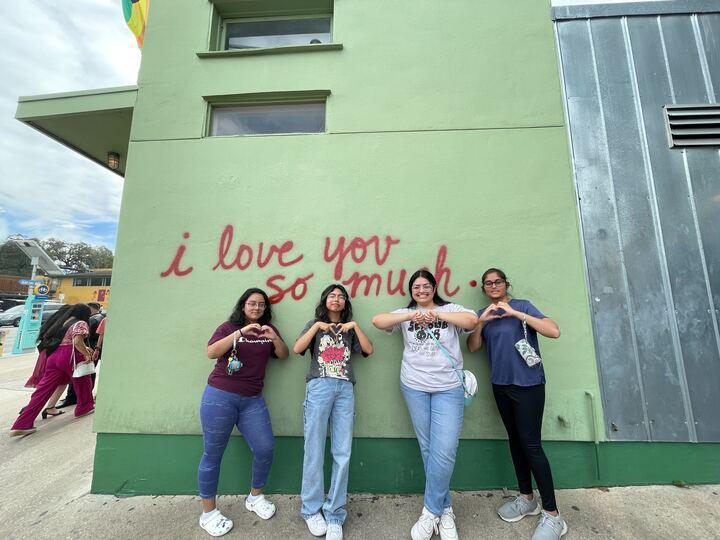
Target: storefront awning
[91, 122]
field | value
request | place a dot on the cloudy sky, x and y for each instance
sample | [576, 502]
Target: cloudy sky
[58, 46]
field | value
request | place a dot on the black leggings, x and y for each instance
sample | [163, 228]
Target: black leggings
[521, 409]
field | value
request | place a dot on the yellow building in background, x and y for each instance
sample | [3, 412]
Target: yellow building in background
[93, 286]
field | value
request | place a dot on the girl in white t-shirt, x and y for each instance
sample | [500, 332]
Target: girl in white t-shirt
[432, 390]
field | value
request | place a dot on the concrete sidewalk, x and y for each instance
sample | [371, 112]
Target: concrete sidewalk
[45, 479]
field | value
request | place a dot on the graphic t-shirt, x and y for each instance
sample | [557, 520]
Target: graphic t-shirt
[500, 336]
[331, 353]
[253, 351]
[424, 366]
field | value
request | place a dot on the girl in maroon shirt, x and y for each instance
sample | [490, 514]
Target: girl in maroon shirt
[242, 346]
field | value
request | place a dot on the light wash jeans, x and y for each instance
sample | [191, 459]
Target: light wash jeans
[333, 400]
[437, 418]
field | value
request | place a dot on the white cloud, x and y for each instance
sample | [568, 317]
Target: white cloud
[45, 188]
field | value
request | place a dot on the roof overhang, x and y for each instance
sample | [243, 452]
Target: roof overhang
[91, 122]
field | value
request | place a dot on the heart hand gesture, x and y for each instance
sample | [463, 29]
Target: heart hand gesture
[267, 332]
[491, 313]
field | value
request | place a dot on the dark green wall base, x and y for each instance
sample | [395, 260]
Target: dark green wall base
[130, 464]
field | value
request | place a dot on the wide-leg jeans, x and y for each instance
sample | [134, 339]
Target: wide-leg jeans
[327, 400]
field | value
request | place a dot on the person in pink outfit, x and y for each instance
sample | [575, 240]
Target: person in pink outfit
[59, 370]
[48, 341]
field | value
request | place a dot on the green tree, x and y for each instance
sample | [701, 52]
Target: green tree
[14, 262]
[73, 257]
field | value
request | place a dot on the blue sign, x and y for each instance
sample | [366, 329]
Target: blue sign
[30, 282]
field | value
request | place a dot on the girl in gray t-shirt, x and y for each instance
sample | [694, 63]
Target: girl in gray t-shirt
[332, 338]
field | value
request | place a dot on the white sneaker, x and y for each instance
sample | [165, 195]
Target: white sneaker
[261, 506]
[425, 526]
[334, 532]
[317, 525]
[447, 525]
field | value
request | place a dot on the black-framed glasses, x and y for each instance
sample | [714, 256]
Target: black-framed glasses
[495, 283]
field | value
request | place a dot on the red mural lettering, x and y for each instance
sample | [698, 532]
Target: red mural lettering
[442, 273]
[400, 283]
[297, 290]
[336, 251]
[358, 279]
[174, 267]
[244, 255]
[280, 251]
[223, 248]
[357, 249]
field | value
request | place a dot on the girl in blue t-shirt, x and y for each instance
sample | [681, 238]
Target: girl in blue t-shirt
[519, 391]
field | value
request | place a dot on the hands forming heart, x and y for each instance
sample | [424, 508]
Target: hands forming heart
[496, 311]
[267, 332]
[335, 328]
[257, 331]
[423, 318]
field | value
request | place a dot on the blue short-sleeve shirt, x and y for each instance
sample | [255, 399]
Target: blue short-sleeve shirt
[500, 336]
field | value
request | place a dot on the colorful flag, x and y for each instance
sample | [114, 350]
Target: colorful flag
[136, 12]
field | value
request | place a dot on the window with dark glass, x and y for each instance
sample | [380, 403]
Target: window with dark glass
[268, 119]
[257, 34]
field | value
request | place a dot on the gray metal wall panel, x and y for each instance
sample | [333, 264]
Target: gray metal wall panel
[710, 33]
[601, 236]
[697, 329]
[653, 90]
[649, 217]
[642, 260]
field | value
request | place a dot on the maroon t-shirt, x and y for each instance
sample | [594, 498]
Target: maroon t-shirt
[254, 353]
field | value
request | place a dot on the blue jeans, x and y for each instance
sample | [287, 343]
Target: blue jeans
[437, 418]
[220, 411]
[333, 400]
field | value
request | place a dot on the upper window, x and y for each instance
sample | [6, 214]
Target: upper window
[268, 119]
[255, 34]
[81, 282]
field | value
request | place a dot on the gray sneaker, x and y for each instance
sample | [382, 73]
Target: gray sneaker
[550, 527]
[513, 511]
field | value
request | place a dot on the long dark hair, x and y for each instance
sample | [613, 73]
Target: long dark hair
[237, 317]
[321, 311]
[57, 325]
[422, 273]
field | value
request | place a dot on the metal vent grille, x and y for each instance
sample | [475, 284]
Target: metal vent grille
[693, 125]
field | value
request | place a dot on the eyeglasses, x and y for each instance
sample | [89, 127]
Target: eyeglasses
[338, 297]
[495, 283]
[423, 287]
[260, 305]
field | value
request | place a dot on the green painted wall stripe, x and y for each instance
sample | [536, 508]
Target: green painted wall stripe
[133, 464]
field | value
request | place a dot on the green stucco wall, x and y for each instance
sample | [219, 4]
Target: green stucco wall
[445, 131]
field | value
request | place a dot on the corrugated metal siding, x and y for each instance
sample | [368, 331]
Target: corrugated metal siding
[650, 217]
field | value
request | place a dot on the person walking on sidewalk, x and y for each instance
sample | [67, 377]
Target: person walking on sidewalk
[519, 390]
[72, 331]
[433, 393]
[46, 344]
[95, 318]
[332, 338]
[242, 347]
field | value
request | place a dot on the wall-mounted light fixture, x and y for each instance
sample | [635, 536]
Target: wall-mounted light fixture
[113, 160]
